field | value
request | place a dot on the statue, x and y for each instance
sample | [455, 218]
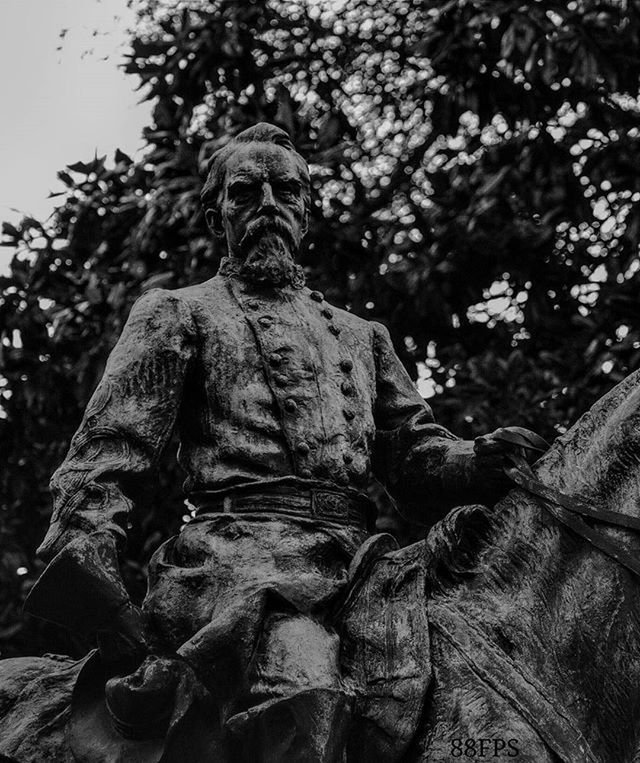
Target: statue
[252, 640]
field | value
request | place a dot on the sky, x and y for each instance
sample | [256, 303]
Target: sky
[63, 99]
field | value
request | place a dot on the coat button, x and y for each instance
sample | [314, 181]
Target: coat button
[275, 359]
[265, 322]
[317, 296]
[305, 473]
[327, 312]
[281, 380]
[334, 329]
[347, 388]
[347, 458]
[253, 304]
[290, 405]
[303, 448]
[346, 366]
[348, 414]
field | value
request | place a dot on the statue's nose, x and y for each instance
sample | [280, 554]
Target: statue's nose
[267, 200]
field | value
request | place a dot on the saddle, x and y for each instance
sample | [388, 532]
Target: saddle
[385, 655]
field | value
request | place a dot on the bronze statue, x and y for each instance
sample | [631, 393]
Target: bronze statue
[252, 640]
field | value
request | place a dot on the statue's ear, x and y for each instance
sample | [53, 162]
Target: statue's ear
[214, 221]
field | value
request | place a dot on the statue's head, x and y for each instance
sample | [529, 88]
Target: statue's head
[256, 196]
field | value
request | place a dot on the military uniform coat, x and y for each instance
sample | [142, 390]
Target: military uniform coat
[264, 385]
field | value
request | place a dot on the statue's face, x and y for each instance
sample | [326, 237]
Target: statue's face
[262, 213]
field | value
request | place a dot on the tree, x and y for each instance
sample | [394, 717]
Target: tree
[475, 187]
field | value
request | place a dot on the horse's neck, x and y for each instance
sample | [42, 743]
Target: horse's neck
[600, 455]
[558, 607]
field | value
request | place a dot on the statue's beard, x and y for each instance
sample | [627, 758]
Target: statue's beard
[268, 248]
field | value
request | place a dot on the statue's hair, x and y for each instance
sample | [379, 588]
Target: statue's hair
[263, 132]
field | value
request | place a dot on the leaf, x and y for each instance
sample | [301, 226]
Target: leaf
[80, 167]
[66, 178]
[493, 181]
[122, 158]
[10, 230]
[508, 42]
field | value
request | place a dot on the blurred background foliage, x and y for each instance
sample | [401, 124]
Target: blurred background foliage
[476, 187]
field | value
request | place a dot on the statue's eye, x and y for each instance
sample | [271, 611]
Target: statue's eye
[241, 191]
[287, 190]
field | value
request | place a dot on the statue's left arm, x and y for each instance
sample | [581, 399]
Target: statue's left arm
[426, 468]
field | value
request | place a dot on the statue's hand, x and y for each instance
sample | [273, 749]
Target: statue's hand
[142, 702]
[492, 451]
[490, 461]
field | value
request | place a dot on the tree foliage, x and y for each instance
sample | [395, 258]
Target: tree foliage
[476, 187]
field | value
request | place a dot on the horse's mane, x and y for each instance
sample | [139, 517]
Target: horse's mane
[599, 456]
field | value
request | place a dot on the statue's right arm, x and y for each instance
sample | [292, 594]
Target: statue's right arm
[126, 425]
[425, 467]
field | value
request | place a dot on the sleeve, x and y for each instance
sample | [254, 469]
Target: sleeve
[425, 468]
[126, 424]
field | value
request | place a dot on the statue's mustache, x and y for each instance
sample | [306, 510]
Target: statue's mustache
[257, 228]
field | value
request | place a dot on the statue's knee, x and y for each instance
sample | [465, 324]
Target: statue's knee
[296, 653]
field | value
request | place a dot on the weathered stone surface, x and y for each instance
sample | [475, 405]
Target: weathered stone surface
[35, 705]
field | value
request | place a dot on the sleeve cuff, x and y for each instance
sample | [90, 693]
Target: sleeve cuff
[459, 473]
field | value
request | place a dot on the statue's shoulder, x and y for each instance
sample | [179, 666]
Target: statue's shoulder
[177, 310]
[158, 306]
[211, 296]
[209, 290]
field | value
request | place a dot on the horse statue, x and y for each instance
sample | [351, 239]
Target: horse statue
[535, 632]
[519, 625]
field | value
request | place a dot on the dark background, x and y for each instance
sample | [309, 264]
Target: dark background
[476, 187]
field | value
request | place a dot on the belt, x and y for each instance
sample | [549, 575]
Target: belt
[310, 503]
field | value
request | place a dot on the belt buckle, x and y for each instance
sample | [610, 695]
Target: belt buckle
[329, 506]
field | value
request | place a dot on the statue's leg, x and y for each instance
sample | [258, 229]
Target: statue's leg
[35, 701]
[300, 711]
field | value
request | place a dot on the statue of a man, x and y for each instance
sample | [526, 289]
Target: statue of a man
[285, 407]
